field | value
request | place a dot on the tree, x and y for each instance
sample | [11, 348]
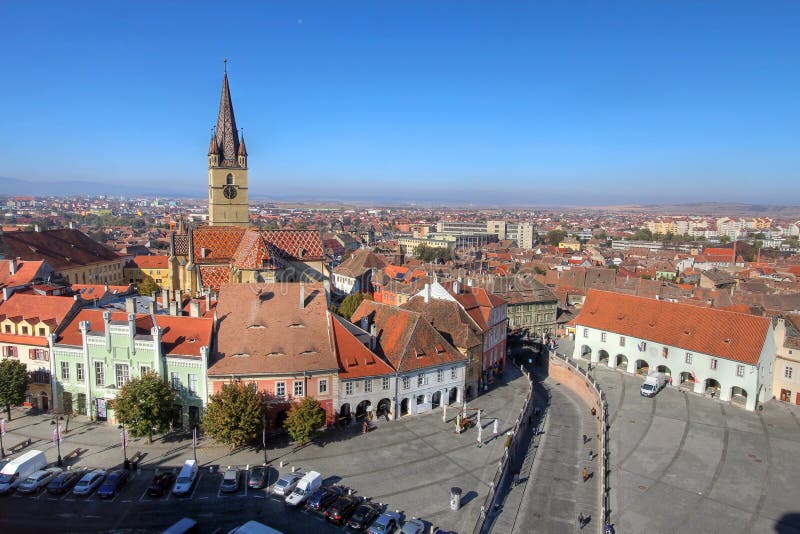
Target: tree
[554, 237]
[148, 287]
[145, 405]
[432, 254]
[233, 416]
[350, 304]
[304, 419]
[14, 380]
[643, 234]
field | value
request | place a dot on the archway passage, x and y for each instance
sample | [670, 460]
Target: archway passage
[687, 380]
[622, 362]
[403, 407]
[280, 419]
[642, 367]
[603, 355]
[436, 399]
[712, 387]
[667, 371]
[361, 409]
[44, 403]
[738, 396]
[586, 352]
[453, 396]
[344, 413]
[384, 408]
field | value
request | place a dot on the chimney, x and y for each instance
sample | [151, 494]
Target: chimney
[76, 297]
[37, 228]
[107, 325]
[302, 295]
[152, 307]
[7, 293]
[156, 333]
[132, 330]
[364, 323]
[203, 252]
[455, 287]
[173, 307]
[194, 308]
[427, 293]
[165, 298]
[130, 305]
[105, 288]
[71, 225]
[12, 266]
[179, 297]
[208, 299]
[373, 336]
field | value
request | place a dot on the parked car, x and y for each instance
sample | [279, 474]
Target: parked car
[114, 482]
[230, 481]
[286, 484]
[161, 484]
[63, 483]
[413, 526]
[321, 499]
[305, 487]
[364, 515]
[387, 523]
[186, 478]
[341, 509]
[20, 468]
[89, 482]
[38, 480]
[258, 477]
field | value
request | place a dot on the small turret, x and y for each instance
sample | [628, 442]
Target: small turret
[213, 152]
[242, 155]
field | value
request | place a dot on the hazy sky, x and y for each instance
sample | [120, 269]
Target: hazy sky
[526, 102]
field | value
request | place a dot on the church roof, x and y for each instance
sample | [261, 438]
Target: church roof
[227, 137]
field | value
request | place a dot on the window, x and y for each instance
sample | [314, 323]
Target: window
[787, 372]
[664, 351]
[367, 385]
[25, 330]
[42, 332]
[406, 382]
[79, 372]
[453, 373]
[229, 179]
[440, 375]
[192, 384]
[38, 354]
[713, 363]
[688, 357]
[323, 386]
[740, 370]
[7, 329]
[175, 380]
[298, 388]
[280, 389]
[585, 332]
[122, 373]
[99, 374]
[420, 379]
[385, 383]
[348, 388]
[64, 370]
[144, 369]
[420, 399]
[603, 337]
[9, 352]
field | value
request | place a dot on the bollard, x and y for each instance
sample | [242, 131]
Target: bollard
[281, 463]
[247, 467]
[294, 468]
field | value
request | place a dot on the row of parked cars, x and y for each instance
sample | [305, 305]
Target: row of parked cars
[341, 507]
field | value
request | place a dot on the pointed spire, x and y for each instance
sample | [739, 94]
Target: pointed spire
[213, 148]
[242, 149]
[227, 137]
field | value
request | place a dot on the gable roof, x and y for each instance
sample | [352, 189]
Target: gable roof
[405, 338]
[355, 359]
[43, 308]
[25, 272]
[71, 334]
[148, 262]
[183, 336]
[63, 248]
[730, 335]
[449, 319]
[360, 262]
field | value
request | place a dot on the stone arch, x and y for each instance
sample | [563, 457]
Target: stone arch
[667, 371]
[436, 399]
[621, 362]
[586, 352]
[344, 413]
[362, 409]
[453, 396]
[603, 356]
[384, 408]
[404, 407]
[687, 378]
[712, 387]
[642, 367]
[738, 396]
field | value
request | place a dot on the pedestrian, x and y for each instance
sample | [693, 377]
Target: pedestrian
[594, 411]
[585, 474]
[581, 520]
[495, 428]
[585, 439]
[591, 456]
[366, 427]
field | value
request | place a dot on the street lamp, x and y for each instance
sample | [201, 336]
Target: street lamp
[57, 436]
[124, 437]
[194, 442]
[264, 435]
[2, 433]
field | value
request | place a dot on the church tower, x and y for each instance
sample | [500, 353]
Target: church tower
[227, 168]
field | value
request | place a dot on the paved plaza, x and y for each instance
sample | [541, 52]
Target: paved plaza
[684, 463]
[409, 465]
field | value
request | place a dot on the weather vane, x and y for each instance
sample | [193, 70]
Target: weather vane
[225, 65]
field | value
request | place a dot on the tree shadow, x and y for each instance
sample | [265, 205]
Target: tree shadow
[788, 523]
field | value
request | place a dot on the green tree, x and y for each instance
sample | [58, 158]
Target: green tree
[350, 304]
[145, 405]
[233, 416]
[14, 380]
[304, 419]
[643, 234]
[724, 239]
[554, 237]
[148, 287]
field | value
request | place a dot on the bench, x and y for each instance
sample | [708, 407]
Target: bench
[21, 445]
[136, 458]
[75, 453]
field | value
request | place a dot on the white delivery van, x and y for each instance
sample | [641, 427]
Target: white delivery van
[653, 383]
[310, 483]
[186, 478]
[20, 468]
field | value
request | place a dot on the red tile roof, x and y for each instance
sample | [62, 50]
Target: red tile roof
[42, 307]
[183, 336]
[90, 292]
[303, 245]
[25, 272]
[63, 248]
[355, 360]
[214, 276]
[71, 334]
[729, 335]
[148, 262]
[219, 242]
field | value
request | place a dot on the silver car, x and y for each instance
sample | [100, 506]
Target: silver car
[90, 482]
[413, 526]
[286, 484]
[38, 480]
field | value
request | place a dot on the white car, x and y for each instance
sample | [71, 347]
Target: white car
[90, 482]
[38, 480]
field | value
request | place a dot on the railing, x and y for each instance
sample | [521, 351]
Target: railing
[604, 435]
[504, 466]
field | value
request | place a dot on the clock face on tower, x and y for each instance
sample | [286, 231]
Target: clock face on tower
[229, 191]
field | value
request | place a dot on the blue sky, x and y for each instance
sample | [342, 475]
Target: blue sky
[485, 102]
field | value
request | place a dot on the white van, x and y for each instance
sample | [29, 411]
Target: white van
[653, 383]
[307, 485]
[20, 468]
[186, 478]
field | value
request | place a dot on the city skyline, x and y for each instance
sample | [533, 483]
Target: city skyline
[527, 105]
